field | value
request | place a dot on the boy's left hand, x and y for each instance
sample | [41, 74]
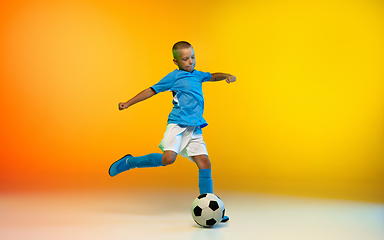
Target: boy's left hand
[230, 79]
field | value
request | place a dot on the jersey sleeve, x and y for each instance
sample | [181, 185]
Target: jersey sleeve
[164, 84]
[205, 76]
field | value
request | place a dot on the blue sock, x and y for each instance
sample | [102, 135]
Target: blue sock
[205, 181]
[150, 160]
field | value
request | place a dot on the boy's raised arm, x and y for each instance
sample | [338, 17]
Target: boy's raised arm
[221, 76]
[145, 94]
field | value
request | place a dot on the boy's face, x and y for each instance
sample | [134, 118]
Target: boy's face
[185, 59]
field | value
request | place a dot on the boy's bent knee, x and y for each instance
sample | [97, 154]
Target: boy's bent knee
[167, 161]
[169, 157]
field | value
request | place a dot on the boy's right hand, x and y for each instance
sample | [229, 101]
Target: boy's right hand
[123, 105]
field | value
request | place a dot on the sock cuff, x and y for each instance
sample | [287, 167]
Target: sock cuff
[158, 159]
[205, 173]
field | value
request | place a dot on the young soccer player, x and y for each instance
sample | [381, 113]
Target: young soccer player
[183, 134]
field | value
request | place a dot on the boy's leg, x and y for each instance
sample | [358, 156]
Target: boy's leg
[205, 178]
[169, 145]
[169, 157]
[151, 160]
[128, 162]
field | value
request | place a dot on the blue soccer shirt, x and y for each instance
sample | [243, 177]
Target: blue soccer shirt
[188, 100]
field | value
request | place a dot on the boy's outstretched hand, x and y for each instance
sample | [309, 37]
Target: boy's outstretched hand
[230, 79]
[123, 105]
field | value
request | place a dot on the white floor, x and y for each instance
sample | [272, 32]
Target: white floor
[166, 215]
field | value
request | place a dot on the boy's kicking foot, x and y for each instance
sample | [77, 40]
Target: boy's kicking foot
[119, 166]
[129, 162]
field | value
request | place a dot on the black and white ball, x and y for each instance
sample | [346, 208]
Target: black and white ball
[207, 210]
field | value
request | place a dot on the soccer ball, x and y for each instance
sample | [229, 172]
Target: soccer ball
[207, 210]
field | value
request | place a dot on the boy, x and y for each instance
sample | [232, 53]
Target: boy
[183, 134]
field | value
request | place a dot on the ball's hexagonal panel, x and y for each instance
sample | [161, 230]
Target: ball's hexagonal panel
[200, 221]
[213, 205]
[212, 196]
[218, 214]
[207, 213]
[203, 203]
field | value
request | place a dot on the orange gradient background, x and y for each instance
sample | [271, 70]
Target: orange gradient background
[304, 118]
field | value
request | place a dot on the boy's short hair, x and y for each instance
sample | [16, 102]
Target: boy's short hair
[180, 45]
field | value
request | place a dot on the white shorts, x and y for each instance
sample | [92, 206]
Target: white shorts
[184, 141]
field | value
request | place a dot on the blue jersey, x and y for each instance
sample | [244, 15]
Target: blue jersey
[188, 100]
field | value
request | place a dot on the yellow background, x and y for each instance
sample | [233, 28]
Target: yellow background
[304, 118]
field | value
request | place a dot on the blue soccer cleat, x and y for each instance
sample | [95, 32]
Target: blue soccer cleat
[119, 166]
[225, 219]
